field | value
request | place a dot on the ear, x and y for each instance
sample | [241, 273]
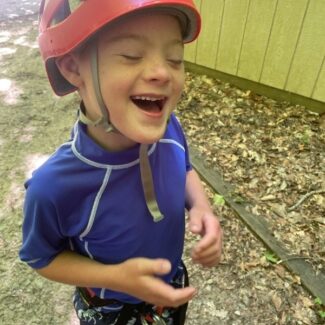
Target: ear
[68, 65]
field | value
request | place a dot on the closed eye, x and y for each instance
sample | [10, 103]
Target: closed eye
[131, 57]
[176, 62]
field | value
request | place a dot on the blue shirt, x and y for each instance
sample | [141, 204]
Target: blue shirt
[91, 201]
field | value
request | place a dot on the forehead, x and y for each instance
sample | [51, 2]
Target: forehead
[139, 26]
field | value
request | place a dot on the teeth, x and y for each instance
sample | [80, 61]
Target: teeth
[147, 98]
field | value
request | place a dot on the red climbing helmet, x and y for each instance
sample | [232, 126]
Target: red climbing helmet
[65, 24]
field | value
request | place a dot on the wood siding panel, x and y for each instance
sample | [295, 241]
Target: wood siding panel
[191, 48]
[277, 43]
[232, 31]
[258, 28]
[310, 52]
[319, 91]
[208, 42]
[190, 52]
[283, 40]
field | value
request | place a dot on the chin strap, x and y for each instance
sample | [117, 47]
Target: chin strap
[145, 169]
[85, 120]
[104, 119]
[147, 184]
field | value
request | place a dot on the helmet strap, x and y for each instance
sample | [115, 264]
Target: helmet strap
[104, 119]
[145, 169]
[85, 120]
[147, 184]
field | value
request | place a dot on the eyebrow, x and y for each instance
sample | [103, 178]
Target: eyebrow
[140, 38]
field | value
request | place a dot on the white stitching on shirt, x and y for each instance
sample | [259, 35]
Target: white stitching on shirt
[33, 261]
[171, 141]
[87, 250]
[99, 165]
[96, 202]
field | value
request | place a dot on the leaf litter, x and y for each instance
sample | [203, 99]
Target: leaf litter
[272, 152]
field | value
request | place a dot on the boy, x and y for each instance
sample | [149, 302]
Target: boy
[105, 213]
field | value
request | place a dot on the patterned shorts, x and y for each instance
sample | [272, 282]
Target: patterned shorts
[140, 314]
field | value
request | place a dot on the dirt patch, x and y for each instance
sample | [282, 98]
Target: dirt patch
[271, 151]
[32, 125]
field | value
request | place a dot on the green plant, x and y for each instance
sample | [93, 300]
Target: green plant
[271, 257]
[318, 301]
[305, 136]
[218, 200]
[320, 307]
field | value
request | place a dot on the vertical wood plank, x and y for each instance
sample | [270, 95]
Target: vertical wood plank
[191, 49]
[279, 43]
[207, 46]
[319, 90]
[258, 27]
[310, 52]
[283, 39]
[232, 31]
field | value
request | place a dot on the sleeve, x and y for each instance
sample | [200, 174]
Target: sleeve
[181, 135]
[42, 238]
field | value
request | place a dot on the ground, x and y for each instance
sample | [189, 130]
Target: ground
[273, 153]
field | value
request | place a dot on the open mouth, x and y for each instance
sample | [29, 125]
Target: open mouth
[149, 104]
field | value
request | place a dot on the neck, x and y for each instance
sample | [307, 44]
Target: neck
[111, 141]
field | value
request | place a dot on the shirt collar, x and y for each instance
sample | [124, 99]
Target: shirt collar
[88, 149]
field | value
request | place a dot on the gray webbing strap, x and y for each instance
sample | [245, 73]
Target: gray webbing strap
[147, 184]
[94, 70]
[85, 120]
[146, 175]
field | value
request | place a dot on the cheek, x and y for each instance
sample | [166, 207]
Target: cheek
[114, 87]
[181, 78]
[179, 84]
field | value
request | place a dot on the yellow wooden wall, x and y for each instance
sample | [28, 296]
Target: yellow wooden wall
[278, 43]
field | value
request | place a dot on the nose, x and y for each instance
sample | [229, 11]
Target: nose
[157, 71]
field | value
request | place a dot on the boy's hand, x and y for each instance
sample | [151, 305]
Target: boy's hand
[207, 251]
[139, 279]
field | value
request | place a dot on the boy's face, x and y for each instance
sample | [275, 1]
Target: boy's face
[141, 72]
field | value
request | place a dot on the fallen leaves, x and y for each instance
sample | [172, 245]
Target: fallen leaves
[277, 301]
[272, 152]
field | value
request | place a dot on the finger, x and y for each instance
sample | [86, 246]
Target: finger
[154, 266]
[181, 296]
[208, 255]
[209, 240]
[171, 297]
[207, 258]
[209, 251]
[210, 264]
[210, 260]
[162, 294]
[196, 225]
[212, 236]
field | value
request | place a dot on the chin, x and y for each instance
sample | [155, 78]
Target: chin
[148, 134]
[149, 140]
[151, 137]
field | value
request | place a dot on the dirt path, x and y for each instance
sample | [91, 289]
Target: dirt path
[245, 289]
[13, 9]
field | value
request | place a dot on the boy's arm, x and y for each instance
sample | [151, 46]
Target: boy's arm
[136, 277]
[202, 221]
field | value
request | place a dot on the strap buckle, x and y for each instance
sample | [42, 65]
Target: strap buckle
[157, 320]
[143, 321]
